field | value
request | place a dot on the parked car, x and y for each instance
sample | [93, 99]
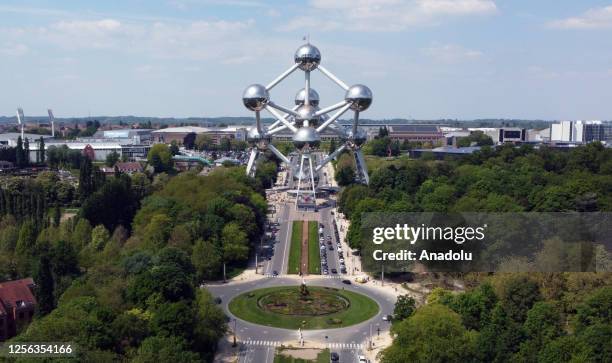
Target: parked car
[346, 282]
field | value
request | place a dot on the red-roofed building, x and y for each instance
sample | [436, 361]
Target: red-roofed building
[17, 306]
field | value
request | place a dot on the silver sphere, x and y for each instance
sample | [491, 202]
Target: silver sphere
[359, 96]
[313, 98]
[359, 138]
[308, 57]
[307, 113]
[255, 97]
[306, 136]
[253, 136]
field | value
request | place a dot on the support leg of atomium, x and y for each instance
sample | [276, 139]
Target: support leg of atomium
[250, 170]
[311, 170]
[297, 195]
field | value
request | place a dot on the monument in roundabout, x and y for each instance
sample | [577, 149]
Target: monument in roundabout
[303, 307]
[306, 120]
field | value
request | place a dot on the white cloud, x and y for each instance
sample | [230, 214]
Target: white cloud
[384, 15]
[14, 50]
[451, 53]
[597, 18]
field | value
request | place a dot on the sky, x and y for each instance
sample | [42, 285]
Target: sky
[423, 59]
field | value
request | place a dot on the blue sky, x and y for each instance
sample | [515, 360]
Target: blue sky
[423, 59]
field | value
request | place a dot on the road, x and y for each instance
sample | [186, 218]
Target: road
[257, 341]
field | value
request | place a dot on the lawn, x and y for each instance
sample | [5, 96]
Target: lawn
[295, 248]
[314, 257]
[323, 357]
[246, 306]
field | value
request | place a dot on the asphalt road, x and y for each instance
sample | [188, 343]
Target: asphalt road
[257, 341]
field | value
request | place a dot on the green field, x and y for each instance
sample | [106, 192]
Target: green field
[295, 249]
[314, 257]
[246, 306]
[322, 357]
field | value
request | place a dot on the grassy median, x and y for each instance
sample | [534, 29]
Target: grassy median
[246, 306]
[287, 355]
[295, 248]
[314, 256]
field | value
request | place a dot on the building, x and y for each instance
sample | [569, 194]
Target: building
[581, 131]
[17, 306]
[416, 133]
[126, 168]
[6, 166]
[179, 134]
[125, 136]
[440, 153]
[10, 138]
[97, 151]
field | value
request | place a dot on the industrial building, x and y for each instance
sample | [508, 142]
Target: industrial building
[179, 134]
[581, 131]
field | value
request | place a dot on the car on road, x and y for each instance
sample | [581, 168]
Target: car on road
[362, 359]
[387, 318]
[334, 357]
[275, 273]
[334, 271]
[218, 300]
[346, 282]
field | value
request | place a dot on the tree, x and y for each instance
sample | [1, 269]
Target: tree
[404, 307]
[86, 184]
[44, 286]
[332, 146]
[595, 309]
[433, 334]
[160, 158]
[500, 338]
[165, 349]
[543, 324]
[345, 170]
[41, 149]
[234, 244]
[117, 193]
[517, 294]
[99, 237]
[174, 148]
[206, 259]
[112, 158]
[174, 320]
[19, 153]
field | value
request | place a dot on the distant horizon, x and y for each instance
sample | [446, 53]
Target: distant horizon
[6, 118]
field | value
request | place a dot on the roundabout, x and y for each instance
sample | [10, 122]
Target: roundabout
[301, 307]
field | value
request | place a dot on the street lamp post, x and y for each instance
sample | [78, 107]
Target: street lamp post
[234, 343]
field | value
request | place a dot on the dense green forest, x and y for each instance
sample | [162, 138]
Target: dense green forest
[118, 260]
[537, 317]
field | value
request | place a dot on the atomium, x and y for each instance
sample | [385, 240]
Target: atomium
[307, 120]
[313, 97]
[255, 97]
[359, 96]
[307, 57]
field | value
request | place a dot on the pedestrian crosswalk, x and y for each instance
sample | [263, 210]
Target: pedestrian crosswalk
[271, 343]
[336, 277]
[345, 345]
[263, 343]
